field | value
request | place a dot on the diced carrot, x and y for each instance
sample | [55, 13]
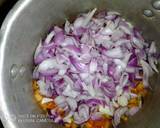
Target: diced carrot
[35, 85]
[136, 81]
[103, 123]
[134, 90]
[67, 125]
[89, 124]
[139, 89]
[49, 105]
[37, 95]
[74, 125]
[61, 112]
[143, 93]
[134, 102]
[71, 125]
[107, 116]
[107, 125]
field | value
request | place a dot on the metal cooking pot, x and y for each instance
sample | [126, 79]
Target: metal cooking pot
[29, 21]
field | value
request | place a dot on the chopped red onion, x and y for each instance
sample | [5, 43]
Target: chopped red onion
[49, 37]
[124, 79]
[152, 60]
[96, 116]
[67, 27]
[118, 114]
[72, 103]
[82, 115]
[78, 65]
[38, 50]
[68, 118]
[133, 111]
[114, 53]
[93, 66]
[88, 67]
[147, 72]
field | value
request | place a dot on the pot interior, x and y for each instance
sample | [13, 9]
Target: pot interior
[29, 21]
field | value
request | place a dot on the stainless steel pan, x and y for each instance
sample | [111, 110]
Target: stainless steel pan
[20, 33]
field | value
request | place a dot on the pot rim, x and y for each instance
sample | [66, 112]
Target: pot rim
[5, 113]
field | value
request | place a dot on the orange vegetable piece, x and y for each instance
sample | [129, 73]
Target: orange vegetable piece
[89, 124]
[67, 125]
[71, 125]
[139, 89]
[61, 112]
[134, 102]
[38, 96]
[136, 81]
[49, 105]
[103, 123]
[143, 93]
[35, 85]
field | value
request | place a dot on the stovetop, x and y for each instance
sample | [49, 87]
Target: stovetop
[5, 6]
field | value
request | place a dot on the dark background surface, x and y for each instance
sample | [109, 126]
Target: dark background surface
[5, 6]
